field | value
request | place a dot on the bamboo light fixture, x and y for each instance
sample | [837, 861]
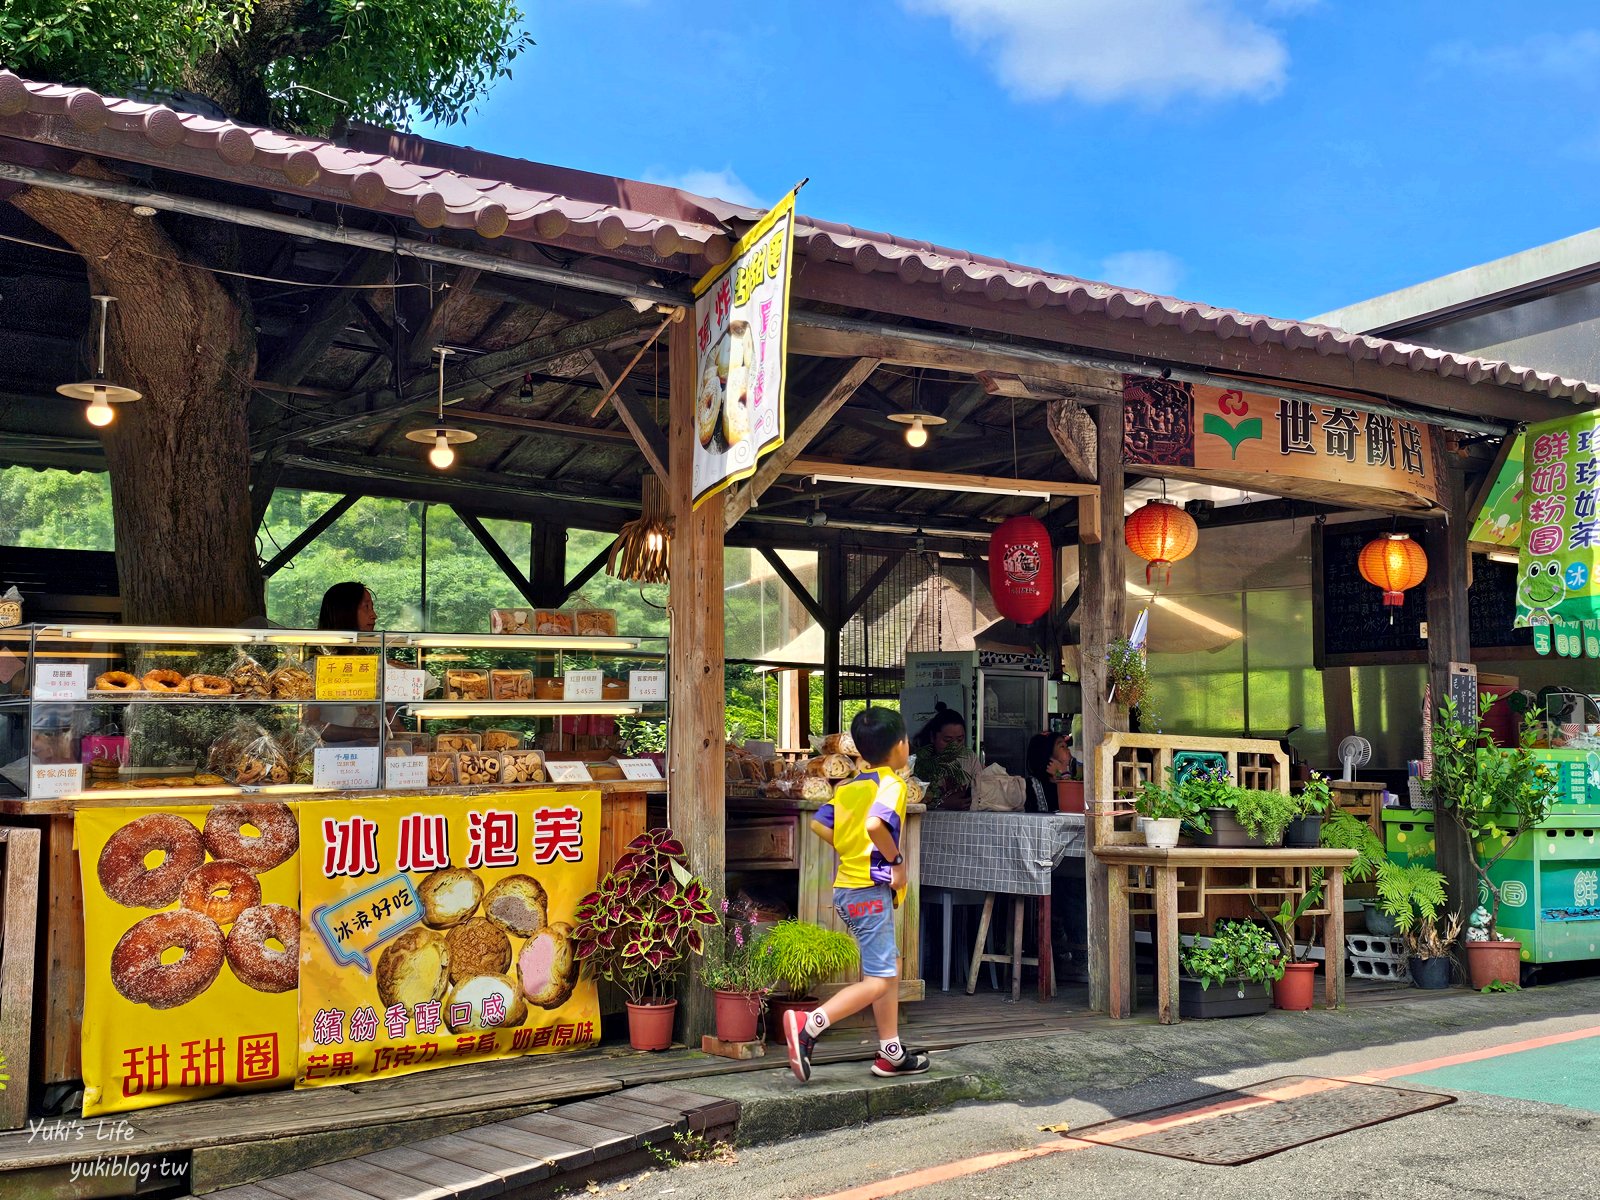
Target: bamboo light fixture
[644, 546]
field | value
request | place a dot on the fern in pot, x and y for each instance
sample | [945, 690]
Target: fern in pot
[798, 956]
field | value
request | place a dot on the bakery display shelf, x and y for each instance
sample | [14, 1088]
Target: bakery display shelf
[104, 698]
[595, 643]
[449, 710]
[291, 794]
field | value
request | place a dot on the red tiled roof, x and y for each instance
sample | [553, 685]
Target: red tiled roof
[432, 184]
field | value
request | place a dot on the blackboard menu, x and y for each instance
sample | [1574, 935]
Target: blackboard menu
[1353, 625]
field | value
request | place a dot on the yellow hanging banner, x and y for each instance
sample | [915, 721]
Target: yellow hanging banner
[437, 931]
[191, 955]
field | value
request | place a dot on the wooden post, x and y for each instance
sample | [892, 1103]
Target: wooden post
[1103, 582]
[1450, 640]
[696, 789]
[831, 564]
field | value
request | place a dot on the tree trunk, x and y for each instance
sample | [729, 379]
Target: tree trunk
[179, 458]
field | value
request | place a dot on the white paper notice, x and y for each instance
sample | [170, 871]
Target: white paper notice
[48, 780]
[400, 685]
[567, 772]
[406, 771]
[584, 685]
[647, 685]
[344, 768]
[61, 681]
[638, 768]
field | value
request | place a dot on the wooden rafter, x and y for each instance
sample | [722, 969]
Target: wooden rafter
[792, 582]
[831, 400]
[310, 533]
[935, 480]
[329, 310]
[496, 552]
[635, 413]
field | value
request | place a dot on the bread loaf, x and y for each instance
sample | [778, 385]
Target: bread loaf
[838, 743]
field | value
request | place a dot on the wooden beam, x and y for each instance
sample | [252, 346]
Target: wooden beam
[590, 570]
[942, 481]
[1103, 584]
[292, 359]
[1074, 433]
[1091, 388]
[781, 569]
[635, 413]
[581, 433]
[963, 402]
[497, 552]
[423, 338]
[547, 562]
[697, 787]
[310, 533]
[833, 398]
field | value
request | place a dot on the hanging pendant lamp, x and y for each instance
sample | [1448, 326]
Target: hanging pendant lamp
[440, 436]
[643, 549]
[100, 394]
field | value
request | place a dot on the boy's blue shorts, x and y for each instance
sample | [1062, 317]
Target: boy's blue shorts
[868, 913]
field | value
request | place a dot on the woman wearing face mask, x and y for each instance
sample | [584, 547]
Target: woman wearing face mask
[944, 762]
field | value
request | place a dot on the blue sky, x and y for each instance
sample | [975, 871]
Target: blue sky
[1279, 156]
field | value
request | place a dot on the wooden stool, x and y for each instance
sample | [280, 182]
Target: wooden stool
[1014, 956]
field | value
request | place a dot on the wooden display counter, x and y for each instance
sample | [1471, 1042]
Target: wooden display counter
[58, 975]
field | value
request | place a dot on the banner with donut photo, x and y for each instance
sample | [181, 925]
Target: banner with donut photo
[437, 931]
[191, 952]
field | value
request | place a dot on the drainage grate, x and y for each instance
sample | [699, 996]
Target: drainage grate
[1226, 1129]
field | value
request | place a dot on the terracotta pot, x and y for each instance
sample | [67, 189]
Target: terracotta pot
[1296, 991]
[650, 1025]
[1069, 796]
[738, 1013]
[1490, 962]
[778, 1007]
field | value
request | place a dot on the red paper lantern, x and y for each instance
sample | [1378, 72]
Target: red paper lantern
[1160, 533]
[1393, 563]
[1021, 569]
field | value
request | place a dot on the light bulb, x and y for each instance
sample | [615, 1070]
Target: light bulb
[917, 435]
[653, 540]
[441, 455]
[100, 413]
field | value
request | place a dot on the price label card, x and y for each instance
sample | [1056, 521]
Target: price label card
[638, 768]
[346, 768]
[347, 677]
[647, 685]
[584, 685]
[61, 681]
[406, 771]
[567, 772]
[48, 780]
[401, 686]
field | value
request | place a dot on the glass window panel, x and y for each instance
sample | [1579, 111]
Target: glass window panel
[55, 510]
[641, 608]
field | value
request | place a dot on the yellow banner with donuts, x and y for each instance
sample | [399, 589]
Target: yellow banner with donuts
[191, 952]
[436, 931]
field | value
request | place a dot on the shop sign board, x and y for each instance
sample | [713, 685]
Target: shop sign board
[437, 931]
[1557, 592]
[583, 685]
[1294, 448]
[155, 1035]
[741, 332]
[639, 768]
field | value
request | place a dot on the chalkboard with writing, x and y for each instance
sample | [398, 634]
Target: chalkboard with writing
[1352, 623]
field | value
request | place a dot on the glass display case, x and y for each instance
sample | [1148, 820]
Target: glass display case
[109, 711]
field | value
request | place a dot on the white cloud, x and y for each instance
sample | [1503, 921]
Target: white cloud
[718, 185]
[1145, 270]
[1147, 51]
[1569, 58]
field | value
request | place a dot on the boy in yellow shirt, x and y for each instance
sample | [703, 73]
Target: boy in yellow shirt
[862, 823]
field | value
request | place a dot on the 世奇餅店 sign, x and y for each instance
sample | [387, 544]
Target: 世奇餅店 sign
[1286, 447]
[741, 317]
[437, 931]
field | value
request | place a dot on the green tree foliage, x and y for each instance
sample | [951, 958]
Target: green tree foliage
[55, 509]
[385, 61]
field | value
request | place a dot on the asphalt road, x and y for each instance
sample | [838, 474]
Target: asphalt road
[1501, 1145]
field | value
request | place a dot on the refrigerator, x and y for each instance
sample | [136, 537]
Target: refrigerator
[1004, 698]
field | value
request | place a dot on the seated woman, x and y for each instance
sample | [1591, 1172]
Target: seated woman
[346, 606]
[1049, 762]
[944, 762]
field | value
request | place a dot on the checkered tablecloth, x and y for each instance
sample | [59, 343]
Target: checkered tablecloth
[1012, 853]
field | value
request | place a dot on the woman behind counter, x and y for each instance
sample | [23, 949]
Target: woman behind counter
[944, 762]
[1049, 762]
[347, 606]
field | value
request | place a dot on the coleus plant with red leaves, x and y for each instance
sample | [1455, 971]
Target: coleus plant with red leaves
[645, 919]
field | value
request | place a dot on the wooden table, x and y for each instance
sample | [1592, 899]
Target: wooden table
[1161, 876]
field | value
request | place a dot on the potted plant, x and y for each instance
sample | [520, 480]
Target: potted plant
[1494, 796]
[1344, 831]
[1129, 675]
[1414, 895]
[1167, 809]
[944, 771]
[799, 955]
[1295, 989]
[1315, 798]
[639, 926]
[1239, 961]
[1241, 817]
[739, 976]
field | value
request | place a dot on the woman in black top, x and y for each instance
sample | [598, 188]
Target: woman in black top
[1048, 763]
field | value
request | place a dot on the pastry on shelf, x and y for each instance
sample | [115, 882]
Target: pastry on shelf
[466, 685]
[511, 685]
[456, 740]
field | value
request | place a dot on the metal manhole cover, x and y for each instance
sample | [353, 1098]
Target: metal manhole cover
[1226, 1129]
